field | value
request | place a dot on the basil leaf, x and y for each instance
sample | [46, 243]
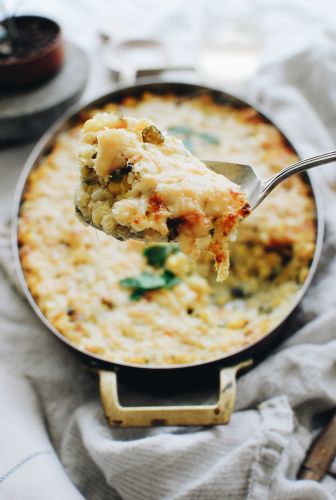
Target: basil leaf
[136, 294]
[129, 282]
[149, 281]
[181, 129]
[145, 281]
[157, 255]
[211, 139]
[188, 133]
[170, 279]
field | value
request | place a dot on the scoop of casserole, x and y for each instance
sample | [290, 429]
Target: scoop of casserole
[139, 182]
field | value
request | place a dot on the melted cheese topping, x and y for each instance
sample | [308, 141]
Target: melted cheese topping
[74, 272]
[136, 182]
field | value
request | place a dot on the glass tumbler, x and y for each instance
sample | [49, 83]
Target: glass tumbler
[230, 45]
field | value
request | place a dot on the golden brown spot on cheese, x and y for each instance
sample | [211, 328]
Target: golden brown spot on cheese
[156, 203]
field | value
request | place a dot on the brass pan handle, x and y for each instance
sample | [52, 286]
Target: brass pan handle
[142, 416]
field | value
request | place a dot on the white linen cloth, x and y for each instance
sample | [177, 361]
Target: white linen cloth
[54, 442]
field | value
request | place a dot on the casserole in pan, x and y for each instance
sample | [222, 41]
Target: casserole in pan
[188, 333]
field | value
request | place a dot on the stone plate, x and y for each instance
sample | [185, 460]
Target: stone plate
[26, 114]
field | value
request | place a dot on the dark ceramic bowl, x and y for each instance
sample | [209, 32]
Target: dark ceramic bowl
[33, 64]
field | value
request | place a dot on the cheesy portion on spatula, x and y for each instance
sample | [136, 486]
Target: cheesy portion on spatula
[138, 182]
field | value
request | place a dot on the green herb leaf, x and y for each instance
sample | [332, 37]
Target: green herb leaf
[129, 282]
[211, 139]
[157, 255]
[181, 129]
[188, 133]
[148, 281]
[145, 281]
[136, 294]
[170, 279]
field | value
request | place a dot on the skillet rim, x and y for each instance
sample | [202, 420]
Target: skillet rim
[178, 88]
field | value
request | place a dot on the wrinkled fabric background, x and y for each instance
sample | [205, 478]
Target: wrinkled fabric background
[54, 442]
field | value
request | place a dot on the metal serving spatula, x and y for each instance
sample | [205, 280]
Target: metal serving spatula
[256, 189]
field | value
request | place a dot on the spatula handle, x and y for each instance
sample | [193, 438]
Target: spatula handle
[296, 168]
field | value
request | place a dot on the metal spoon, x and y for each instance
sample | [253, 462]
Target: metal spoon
[256, 189]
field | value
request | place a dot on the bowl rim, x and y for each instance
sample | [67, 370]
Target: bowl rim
[41, 52]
